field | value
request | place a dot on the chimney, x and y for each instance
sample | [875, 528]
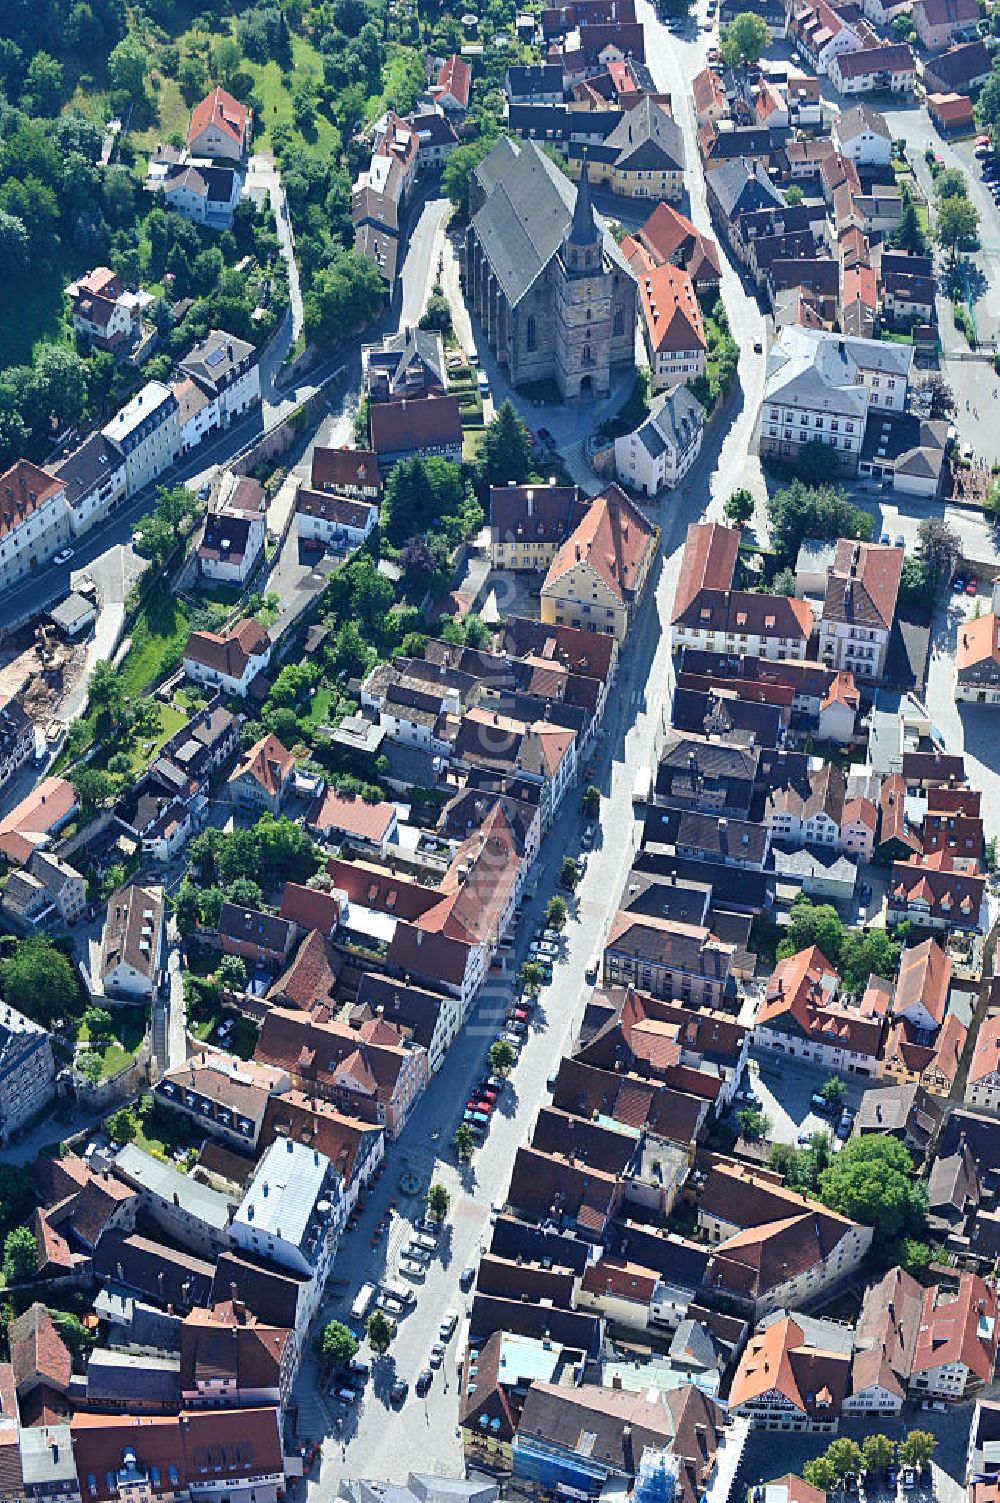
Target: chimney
[724, 836]
[531, 503]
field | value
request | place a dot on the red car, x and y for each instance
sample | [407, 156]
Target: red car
[484, 1106]
[972, 588]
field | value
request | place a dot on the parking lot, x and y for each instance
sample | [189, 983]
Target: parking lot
[762, 1461]
[784, 1089]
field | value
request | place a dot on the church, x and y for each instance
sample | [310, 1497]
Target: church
[553, 292]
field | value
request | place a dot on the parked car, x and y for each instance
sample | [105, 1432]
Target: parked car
[467, 1278]
[424, 1380]
[972, 588]
[819, 1103]
[437, 1354]
[399, 1390]
[958, 584]
[448, 1324]
[64, 555]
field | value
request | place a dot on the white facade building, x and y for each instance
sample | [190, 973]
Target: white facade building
[147, 433]
[663, 448]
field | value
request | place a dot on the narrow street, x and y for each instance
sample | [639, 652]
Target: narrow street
[373, 1439]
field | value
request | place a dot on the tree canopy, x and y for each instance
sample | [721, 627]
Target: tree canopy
[744, 39]
[39, 981]
[800, 511]
[871, 1180]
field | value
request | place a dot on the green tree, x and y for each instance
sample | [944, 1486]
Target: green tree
[784, 582]
[555, 913]
[39, 981]
[909, 234]
[569, 873]
[89, 1065]
[942, 398]
[17, 1197]
[877, 1452]
[739, 507]
[743, 40]
[862, 953]
[834, 1091]
[753, 1123]
[121, 1125]
[918, 1448]
[871, 1180]
[458, 170]
[500, 1057]
[335, 1344]
[950, 184]
[506, 449]
[107, 693]
[128, 65]
[438, 1201]
[245, 892]
[800, 511]
[20, 1255]
[957, 225]
[845, 1456]
[343, 297]
[98, 1022]
[380, 1330]
[93, 787]
[939, 545]
[793, 195]
[914, 581]
[591, 801]
[903, 28]
[463, 1142]
[816, 463]
[812, 924]
[44, 84]
[231, 972]
[820, 1472]
[531, 977]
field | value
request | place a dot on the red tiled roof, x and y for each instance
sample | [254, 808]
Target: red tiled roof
[334, 469]
[310, 907]
[24, 489]
[38, 1353]
[228, 1444]
[455, 78]
[228, 654]
[614, 538]
[268, 763]
[779, 1359]
[415, 423]
[221, 109]
[959, 1328]
[670, 308]
[924, 977]
[350, 814]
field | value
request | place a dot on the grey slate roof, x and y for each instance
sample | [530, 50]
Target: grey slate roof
[528, 210]
[808, 368]
[739, 187]
[672, 420]
[648, 138]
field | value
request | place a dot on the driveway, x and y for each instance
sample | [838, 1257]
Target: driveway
[264, 181]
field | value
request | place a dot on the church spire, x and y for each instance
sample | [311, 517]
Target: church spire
[583, 230]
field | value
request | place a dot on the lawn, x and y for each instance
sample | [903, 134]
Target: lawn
[158, 639]
[130, 1026]
[143, 752]
[40, 307]
[162, 1131]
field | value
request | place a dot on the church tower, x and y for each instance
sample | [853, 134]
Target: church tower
[583, 304]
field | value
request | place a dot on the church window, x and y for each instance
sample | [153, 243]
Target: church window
[586, 354]
[619, 324]
[532, 333]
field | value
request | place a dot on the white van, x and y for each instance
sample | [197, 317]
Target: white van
[362, 1301]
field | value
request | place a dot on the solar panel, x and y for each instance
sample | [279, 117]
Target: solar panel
[215, 357]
